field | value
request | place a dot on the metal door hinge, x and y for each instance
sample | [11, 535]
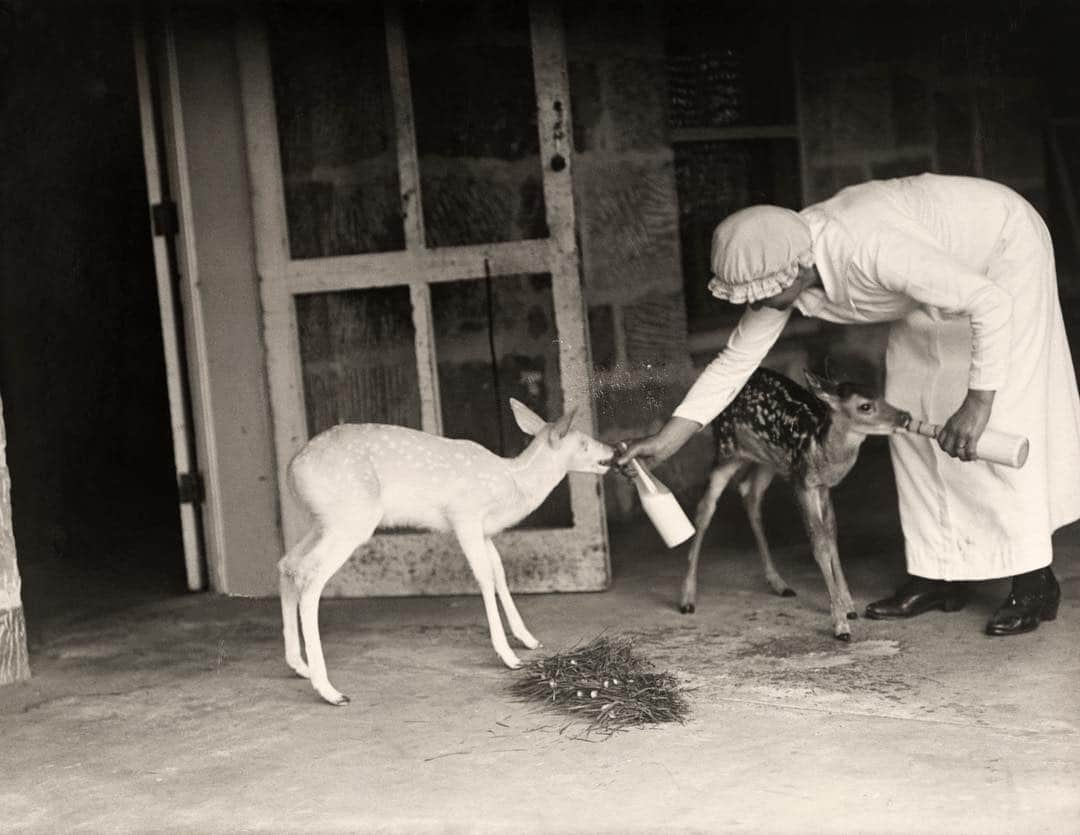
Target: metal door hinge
[190, 487]
[164, 219]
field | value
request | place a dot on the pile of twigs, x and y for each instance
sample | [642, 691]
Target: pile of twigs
[604, 683]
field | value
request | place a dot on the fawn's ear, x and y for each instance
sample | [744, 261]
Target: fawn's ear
[823, 389]
[561, 427]
[527, 420]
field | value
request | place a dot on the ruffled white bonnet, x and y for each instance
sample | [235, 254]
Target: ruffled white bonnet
[757, 252]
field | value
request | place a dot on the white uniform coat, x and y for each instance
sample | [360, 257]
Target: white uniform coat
[965, 270]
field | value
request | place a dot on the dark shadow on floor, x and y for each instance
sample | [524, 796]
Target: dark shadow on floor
[110, 565]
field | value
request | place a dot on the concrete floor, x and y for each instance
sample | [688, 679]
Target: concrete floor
[179, 714]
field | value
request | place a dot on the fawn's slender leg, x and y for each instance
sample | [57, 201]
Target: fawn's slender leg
[813, 501]
[829, 517]
[290, 597]
[753, 490]
[513, 617]
[718, 481]
[317, 566]
[471, 538]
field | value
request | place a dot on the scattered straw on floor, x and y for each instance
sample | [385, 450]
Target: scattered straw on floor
[604, 683]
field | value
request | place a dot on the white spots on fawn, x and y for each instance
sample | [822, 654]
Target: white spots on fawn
[443, 486]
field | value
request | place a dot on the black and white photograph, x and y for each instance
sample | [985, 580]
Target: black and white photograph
[540, 416]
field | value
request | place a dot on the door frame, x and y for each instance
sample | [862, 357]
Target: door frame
[161, 128]
[282, 278]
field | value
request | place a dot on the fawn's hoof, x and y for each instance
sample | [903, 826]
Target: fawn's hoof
[335, 698]
[687, 608]
[844, 636]
[852, 615]
[788, 593]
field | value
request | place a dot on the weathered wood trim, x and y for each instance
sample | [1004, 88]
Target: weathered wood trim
[183, 456]
[426, 364]
[588, 539]
[406, 564]
[412, 211]
[191, 298]
[14, 661]
[272, 256]
[412, 207]
[451, 263]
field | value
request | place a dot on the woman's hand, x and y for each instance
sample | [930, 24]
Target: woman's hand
[659, 447]
[960, 434]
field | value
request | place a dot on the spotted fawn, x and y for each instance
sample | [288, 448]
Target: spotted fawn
[810, 438]
[355, 478]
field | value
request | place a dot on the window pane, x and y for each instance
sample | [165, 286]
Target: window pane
[336, 128]
[728, 65]
[358, 358]
[474, 100]
[715, 179]
[496, 339]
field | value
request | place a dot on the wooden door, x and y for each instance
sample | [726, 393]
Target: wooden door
[411, 171]
[161, 166]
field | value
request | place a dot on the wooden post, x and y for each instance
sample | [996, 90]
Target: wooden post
[14, 663]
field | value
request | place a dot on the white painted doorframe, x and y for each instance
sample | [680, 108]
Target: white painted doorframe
[283, 278]
[199, 522]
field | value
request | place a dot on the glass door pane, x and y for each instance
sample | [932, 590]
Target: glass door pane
[358, 357]
[335, 121]
[495, 338]
[474, 102]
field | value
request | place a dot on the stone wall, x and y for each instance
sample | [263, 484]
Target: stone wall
[883, 91]
[899, 89]
[891, 91]
[628, 219]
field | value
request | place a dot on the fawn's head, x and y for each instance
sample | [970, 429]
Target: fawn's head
[858, 407]
[583, 453]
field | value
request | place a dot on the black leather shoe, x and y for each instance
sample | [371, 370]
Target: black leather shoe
[1033, 599]
[920, 595]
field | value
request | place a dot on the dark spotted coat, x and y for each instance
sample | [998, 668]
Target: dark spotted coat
[775, 411]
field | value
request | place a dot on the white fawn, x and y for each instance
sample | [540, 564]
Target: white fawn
[776, 427]
[355, 478]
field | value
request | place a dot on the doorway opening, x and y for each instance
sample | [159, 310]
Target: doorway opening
[82, 373]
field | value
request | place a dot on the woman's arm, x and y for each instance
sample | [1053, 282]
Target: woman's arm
[661, 446]
[716, 387]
